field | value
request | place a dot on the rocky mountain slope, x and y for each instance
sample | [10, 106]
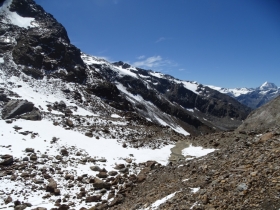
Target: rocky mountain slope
[33, 43]
[263, 118]
[79, 132]
[242, 174]
[252, 97]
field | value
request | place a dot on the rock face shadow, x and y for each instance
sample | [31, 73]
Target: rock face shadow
[176, 151]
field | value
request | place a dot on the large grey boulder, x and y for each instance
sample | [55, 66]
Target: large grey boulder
[16, 107]
[22, 108]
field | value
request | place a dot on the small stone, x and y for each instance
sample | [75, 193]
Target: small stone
[242, 187]
[29, 150]
[112, 173]
[102, 174]
[51, 186]
[94, 198]
[95, 168]
[8, 200]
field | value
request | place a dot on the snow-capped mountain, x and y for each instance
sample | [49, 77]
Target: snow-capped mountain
[35, 44]
[76, 129]
[252, 97]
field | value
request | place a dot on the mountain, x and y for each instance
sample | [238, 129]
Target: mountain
[252, 97]
[263, 118]
[35, 44]
[79, 132]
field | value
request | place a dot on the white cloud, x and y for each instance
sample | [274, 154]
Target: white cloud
[141, 57]
[181, 69]
[160, 39]
[152, 62]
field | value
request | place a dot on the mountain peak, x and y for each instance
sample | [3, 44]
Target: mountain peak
[268, 85]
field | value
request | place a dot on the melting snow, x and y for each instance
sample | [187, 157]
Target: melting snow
[196, 151]
[192, 86]
[156, 204]
[115, 116]
[156, 74]
[194, 190]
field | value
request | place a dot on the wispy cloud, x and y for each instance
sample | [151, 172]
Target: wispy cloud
[160, 39]
[152, 62]
[141, 57]
[181, 69]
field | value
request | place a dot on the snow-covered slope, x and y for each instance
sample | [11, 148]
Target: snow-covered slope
[169, 101]
[234, 92]
[252, 97]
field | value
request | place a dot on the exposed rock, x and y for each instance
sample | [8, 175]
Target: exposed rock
[69, 122]
[112, 173]
[263, 118]
[3, 97]
[8, 200]
[29, 150]
[99, 184]
[34, 115]
[95, 168]
[94, 198]
[15, 107]
[52, 186]
[6, 160]
[117, 200]
[33, 157]
[64, 152]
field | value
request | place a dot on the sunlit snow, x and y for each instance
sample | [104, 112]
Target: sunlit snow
[16, 19]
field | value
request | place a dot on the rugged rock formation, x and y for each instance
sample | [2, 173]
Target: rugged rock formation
[44, 48]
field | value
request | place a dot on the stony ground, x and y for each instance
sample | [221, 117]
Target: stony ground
[243, 173]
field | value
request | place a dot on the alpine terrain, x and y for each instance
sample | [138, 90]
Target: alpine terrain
[79, 132]
[252, 97]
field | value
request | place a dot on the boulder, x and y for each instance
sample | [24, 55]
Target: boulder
[102, 174]
[6, 160]
[94, 198]
[15, 108]
[52, 186]
[95, 168]
[34, 115]
[64, 152]
[29, 150]
[3, 97]
[99, 184]
[69, 122]
[117, 200]
[8, 200]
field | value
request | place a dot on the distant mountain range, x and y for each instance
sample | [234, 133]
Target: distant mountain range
[252, 97]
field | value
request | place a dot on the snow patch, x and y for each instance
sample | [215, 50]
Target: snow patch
[16, 19]
[194, 190]
[196, 151]
[192, 86]
[115, 116]
[156, 204]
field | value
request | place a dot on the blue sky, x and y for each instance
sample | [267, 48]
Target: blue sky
[226, 43]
